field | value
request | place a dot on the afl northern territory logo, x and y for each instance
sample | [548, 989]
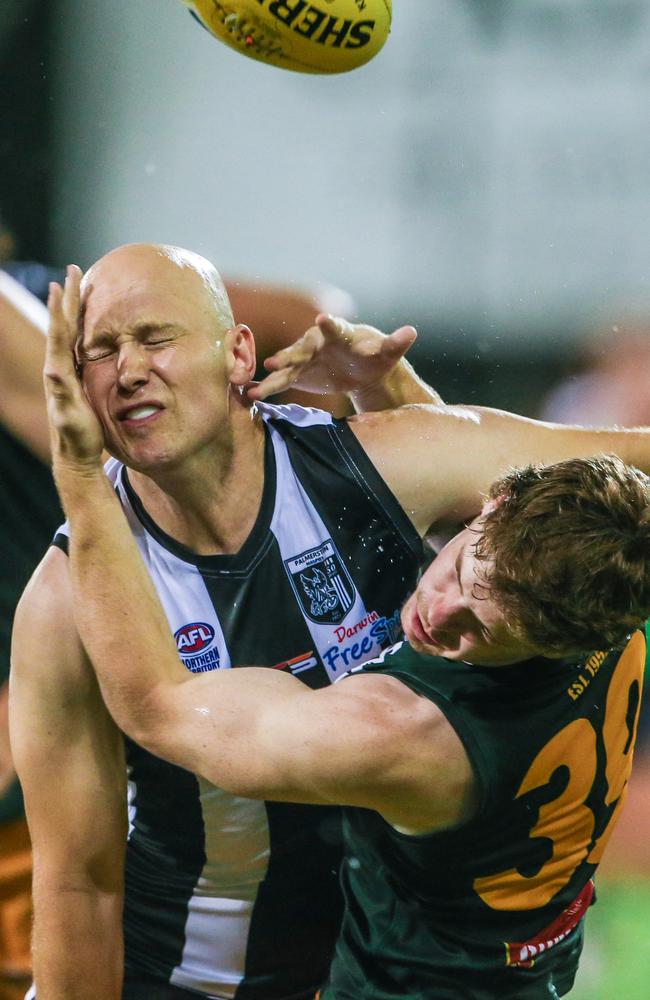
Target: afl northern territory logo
[194, 644]
[321, 583]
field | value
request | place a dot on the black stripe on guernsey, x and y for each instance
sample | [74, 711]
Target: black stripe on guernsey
[170, 854]
[61, 541]
[374, 538]
[297, 910]
[326, 479]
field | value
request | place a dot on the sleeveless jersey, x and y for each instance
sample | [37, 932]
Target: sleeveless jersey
[226, 896]
[492, 910]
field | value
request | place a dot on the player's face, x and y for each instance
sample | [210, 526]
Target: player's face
[451, 615]
[154, 366]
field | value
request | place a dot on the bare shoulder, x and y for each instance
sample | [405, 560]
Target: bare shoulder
[391, 708]
[409, 760]
[384, 700]
[46, 649]
[420, 451]
[48, 593]
[57, 711]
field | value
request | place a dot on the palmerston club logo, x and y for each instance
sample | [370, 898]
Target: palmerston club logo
[321, 583]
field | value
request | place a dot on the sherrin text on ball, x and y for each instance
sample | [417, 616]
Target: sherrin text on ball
[308, 36]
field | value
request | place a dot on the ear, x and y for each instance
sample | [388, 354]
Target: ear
[240, 344]
[491, 504]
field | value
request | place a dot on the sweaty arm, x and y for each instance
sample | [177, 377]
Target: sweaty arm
[439, 461]
[70, 759]
[23, 322]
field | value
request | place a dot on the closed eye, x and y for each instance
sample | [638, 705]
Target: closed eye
[87, 357]
[154, 334]
[157, 341]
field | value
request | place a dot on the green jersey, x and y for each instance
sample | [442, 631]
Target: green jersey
[493, 908]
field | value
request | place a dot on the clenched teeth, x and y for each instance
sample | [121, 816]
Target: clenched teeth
[141, 412]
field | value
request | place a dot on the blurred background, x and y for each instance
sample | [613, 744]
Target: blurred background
[485, 178]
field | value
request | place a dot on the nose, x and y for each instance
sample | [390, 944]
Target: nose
[441, 614]
[132, 367]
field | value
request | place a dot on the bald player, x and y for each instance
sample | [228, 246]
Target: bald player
[208, 878]
[30, 514]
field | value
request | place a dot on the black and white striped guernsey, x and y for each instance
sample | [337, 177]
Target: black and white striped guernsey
[225, 896]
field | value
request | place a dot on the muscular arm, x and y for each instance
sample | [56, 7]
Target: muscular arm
[69, 757]
[439, 461]
[23, 322]
[254, 732]
[368, 741]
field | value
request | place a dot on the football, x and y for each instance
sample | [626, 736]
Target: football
[307, 36]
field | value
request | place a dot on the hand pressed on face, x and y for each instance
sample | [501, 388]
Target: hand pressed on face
[75, 431]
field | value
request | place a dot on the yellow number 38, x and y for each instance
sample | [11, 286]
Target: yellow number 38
[567, 821]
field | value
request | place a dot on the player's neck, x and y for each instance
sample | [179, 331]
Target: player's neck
[210, 503]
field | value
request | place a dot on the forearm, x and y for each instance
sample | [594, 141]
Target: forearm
[517, 441]
[402, 386]
[216, 724]
[77, 942]
[105, 563]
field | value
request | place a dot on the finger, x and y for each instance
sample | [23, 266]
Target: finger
[333, 326]
[298, 353]
[274, 383]
[59, 370]
[56, 349]
[71, 299]
[250, 389]
[63, 305]
[398, 343]
[71, 294]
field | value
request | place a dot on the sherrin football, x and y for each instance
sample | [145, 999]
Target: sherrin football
[308, 36]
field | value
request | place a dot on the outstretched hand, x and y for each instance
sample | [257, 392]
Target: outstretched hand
[334, 356]
[75, 432]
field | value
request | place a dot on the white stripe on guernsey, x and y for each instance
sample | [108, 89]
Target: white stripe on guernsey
[298, 528]
[220, 935]
[219, 913]
[298, 416]
[179, 584]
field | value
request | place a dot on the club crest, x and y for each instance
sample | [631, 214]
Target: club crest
[321, 583]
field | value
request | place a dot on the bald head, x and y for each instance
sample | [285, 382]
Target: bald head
[137, 274]
[158, 340]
